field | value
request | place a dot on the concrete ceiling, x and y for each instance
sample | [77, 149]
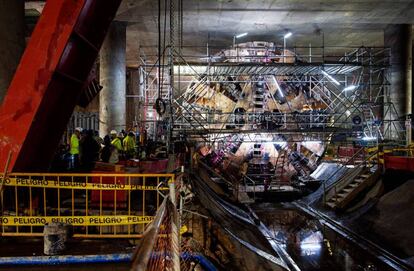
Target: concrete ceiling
[337, 22]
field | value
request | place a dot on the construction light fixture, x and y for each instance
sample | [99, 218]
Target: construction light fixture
[278, 87]
[210, 57]
[369, 138]
[241, 35]
[286, 36]
[350, 87]
[331, 78]
[237, 37]
[312, 142]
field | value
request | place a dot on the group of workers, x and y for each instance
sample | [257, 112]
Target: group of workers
[86, 147]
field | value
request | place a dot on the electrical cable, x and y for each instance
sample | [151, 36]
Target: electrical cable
[159, 45]
[163, 55]
[160, 105]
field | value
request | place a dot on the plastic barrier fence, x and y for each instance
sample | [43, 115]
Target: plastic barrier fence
[96, 205]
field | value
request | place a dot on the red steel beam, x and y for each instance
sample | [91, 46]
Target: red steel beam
[49, 79]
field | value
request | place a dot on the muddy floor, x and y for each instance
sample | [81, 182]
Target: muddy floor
[311, 245]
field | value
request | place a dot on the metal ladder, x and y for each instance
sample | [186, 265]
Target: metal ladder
[279, 177]
[258, 96]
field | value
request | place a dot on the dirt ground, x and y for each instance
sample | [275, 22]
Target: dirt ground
[392, 218]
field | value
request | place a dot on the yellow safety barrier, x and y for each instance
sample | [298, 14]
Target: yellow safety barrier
[96, 205]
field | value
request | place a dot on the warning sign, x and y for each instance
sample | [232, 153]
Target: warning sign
[75, 220]
[75, 185]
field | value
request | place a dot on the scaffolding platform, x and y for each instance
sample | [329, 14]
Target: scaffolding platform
[278, 69]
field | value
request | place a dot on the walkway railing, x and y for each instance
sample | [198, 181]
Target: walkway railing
[368, 161]
[159, 248]
[162, 246]
[96, 205]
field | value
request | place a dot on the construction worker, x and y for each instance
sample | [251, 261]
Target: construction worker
[109, 153]
[129, 145]
[143, 136]
[74, 148]
[89, 151]
[97, 138]
[116, 140]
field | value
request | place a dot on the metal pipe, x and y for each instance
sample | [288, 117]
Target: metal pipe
[92, 259]
[142, 255]
[69, 259]
[175, 239]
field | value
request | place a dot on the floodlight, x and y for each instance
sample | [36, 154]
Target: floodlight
[350, 87]
[241, 35]
[331, 78]
[278, 87]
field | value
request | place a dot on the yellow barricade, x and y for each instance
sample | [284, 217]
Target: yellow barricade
[75, 220]
[75, 185]
[96, 205]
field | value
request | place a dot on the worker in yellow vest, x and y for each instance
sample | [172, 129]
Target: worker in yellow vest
[129, 145]
[74, 148]
[116, 140]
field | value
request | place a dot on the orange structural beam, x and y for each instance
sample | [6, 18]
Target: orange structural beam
[49, 79]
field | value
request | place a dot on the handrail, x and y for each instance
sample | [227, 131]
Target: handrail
[215, 173]
[159, 190]
[253, 182]
[334, 185]
[143, 252]
[344, 165]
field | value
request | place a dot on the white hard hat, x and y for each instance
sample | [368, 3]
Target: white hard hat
[114, 132]
[79, 129]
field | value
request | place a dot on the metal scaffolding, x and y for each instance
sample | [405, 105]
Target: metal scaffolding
[156, 84]
[344, 91]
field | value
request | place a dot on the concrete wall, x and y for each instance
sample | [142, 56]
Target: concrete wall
[12, 40]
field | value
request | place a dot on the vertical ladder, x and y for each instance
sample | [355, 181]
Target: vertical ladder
[259, 96]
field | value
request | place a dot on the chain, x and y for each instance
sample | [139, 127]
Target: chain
[171, 67]
[172, 26]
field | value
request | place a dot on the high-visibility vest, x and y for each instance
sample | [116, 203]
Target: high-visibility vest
[74, 144]
[117, 143]
[129, 144]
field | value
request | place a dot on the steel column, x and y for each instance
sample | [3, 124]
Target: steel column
[49, 80]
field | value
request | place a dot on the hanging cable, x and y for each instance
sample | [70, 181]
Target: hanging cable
[181, 24]
[163, 44]
[159, 47]
[160, 105]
